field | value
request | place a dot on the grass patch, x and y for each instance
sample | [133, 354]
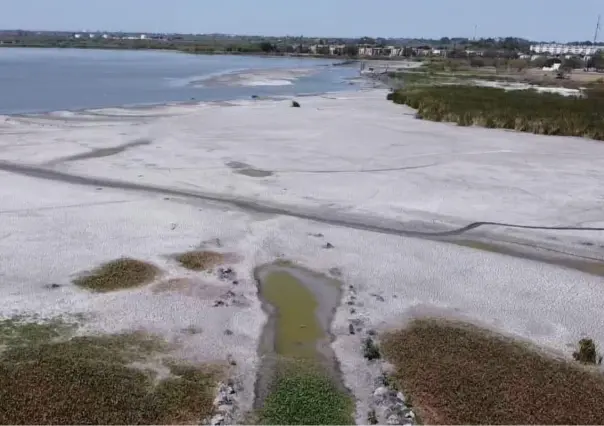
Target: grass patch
[117, 275]
[19, 331]
[303, 395]
[460, 374]
[90, 380]
[520, 110]
[200, 260]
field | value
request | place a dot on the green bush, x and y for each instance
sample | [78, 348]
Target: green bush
[521, 110]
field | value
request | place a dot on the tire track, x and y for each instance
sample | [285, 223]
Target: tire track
[374, 224]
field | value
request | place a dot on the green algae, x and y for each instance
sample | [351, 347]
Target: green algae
[297, 326]
[304, 385]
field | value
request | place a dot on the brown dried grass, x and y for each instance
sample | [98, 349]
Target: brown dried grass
[200, 260]
[460, 374]
[88, 380]
[118, 274]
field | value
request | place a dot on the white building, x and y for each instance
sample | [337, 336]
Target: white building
[565, 49]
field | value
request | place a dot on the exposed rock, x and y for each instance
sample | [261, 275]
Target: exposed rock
[228, 332]
[295, 104]
[218, 419]
[372, 418]
[377, 297]
[336, 272]
[53, 286]
[328, 246]
[351, 329]
[393, 419]
[381, 392]
[231, 360]
[226, 274]
[218, 303]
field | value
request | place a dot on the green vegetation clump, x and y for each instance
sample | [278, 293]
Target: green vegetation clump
[587, 353]
[303, 395]
[20, 331]
[521, 110]
[200, 260]
[460, 374]
[118, 274]
[54, 379]
[371, 351]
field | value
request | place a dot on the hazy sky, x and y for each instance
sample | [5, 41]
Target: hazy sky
[560, 20]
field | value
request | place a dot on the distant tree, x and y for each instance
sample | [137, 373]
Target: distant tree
[572, 63]
[477, 62]
[445, 40]
[351, 50]
[596, 62]
[366, 40]
[267, 47]
[539, 62]
[517, 64]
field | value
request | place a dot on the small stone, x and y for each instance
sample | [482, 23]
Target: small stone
[400, 397]
[410, 415]
[351, 329]
[231, 390]
[381, 392]
[218, 419]
[173, 226]
[371, 332]
[350, 287]
[231, 360]
[336, 272]
[218, 303]
[54, 285]
[393, 420]
[328, 246]
[228, 332]
[378, 297]
[235, 282]
[225, 408]
[99, 189]
[353, 311]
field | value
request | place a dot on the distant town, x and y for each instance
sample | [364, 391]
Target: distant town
[364, 47]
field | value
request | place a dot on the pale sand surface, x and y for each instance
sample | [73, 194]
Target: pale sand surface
[342, 157]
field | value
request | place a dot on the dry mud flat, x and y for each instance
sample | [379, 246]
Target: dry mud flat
[355, 186]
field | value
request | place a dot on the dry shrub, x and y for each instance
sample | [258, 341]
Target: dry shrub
[200, 260]
[460, 374]
[118, 274]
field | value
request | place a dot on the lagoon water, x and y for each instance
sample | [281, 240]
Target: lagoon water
[43, 80]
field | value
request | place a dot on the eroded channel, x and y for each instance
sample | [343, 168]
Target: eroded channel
[299, 380]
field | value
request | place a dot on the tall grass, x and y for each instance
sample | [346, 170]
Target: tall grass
[521, 110]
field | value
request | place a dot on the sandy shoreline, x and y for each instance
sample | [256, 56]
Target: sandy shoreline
[346, 156]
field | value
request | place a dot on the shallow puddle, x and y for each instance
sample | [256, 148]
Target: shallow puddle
[301, 305]
[297, 326]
